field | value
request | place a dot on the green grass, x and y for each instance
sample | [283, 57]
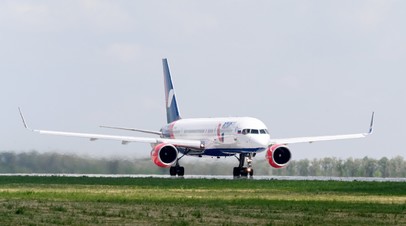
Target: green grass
[158, 201]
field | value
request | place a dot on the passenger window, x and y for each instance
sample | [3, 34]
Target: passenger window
[254, 131]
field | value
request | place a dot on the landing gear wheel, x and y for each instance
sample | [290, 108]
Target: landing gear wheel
[236, 172]
[244, 172]
[251, 173]
[181, 171]
[241, 170]
[172, 171]
[177, 171]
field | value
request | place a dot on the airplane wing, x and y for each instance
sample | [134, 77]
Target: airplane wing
[133, 129]
[124, 139]
[323, 138]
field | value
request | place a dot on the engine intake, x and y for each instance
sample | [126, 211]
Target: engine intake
[164, 155]
[278, 155]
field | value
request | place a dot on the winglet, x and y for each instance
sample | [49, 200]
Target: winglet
[22, 118]
[371, 127]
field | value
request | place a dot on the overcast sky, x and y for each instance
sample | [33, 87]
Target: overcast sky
[302, 67]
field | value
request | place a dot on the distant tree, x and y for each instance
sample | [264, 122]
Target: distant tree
[290, 170]
[397, 167]
[34, 162]
[384, 167]
[339, 168]
[369, 167]
[315, 168]
[303, 167]
[350, 169]
[327, 164]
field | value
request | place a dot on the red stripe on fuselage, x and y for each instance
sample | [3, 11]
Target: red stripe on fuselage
[171, 135]
[219, 133]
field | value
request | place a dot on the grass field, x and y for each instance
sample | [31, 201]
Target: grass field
[158, 201]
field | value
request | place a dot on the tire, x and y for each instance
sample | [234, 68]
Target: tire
[251, 173]
[244, 172]
[181, 171]
[236, 172]
[172, 171]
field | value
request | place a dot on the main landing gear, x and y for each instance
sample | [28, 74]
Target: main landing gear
[242, 171]
[178, 170]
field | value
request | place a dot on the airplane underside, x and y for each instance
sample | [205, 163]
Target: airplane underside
[219, 152]
[244, 157]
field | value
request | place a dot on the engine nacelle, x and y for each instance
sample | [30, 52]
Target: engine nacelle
[278, 155]
[164, 155]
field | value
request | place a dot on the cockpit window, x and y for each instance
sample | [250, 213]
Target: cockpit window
[254, 131]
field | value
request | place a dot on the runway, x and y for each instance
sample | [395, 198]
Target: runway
[222, 177]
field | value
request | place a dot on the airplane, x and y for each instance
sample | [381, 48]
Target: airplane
[241, 137]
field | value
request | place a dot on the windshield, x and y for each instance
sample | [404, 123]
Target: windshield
[253, 131]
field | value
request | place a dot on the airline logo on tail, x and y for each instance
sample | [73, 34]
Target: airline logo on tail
[170, 98]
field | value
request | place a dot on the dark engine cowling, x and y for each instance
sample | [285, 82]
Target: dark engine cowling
[278, 155]
[164, 155]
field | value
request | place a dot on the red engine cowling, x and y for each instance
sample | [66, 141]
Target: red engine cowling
[164, 155]
[278, 155]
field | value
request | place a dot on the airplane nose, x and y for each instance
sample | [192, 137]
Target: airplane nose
[262, 141]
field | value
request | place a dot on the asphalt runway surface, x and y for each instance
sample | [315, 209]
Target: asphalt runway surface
[303, 178]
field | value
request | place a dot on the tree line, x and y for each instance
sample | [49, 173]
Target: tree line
[335, 167]
[35, 162]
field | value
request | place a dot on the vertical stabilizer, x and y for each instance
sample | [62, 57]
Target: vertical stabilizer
[172, 112]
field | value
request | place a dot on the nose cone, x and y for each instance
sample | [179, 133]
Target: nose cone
[261, 140]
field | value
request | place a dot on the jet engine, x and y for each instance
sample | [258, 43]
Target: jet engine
[164, 155]
[278, 155]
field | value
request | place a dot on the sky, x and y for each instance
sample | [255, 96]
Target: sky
[302, 67]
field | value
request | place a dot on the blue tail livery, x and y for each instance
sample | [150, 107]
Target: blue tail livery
[172, 111]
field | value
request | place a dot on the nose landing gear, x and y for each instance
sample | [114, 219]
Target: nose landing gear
[241, 170]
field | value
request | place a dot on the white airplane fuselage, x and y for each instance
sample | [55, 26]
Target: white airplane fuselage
[221, 136]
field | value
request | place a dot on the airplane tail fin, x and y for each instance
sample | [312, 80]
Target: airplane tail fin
[172, 111]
